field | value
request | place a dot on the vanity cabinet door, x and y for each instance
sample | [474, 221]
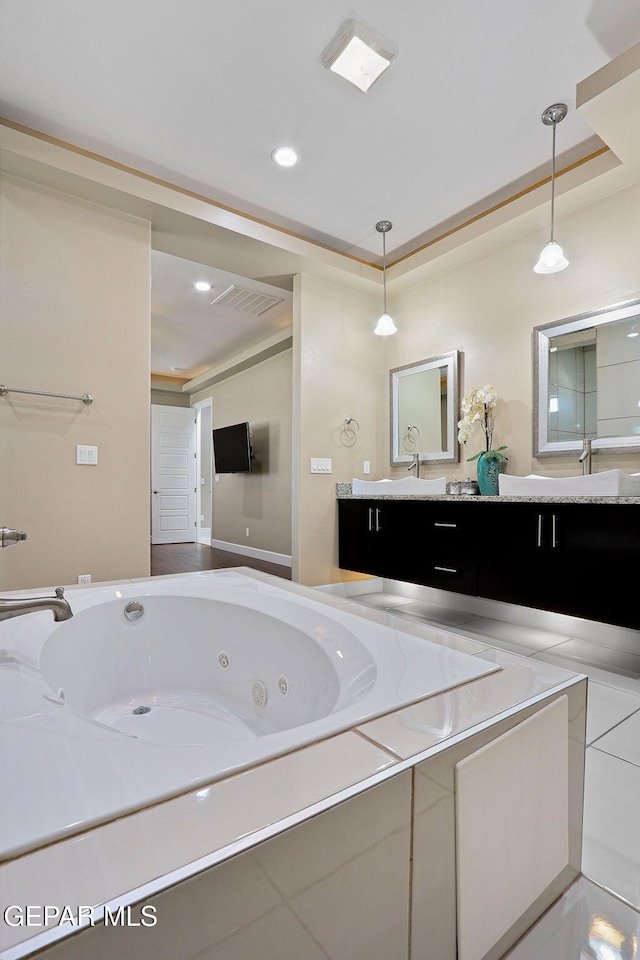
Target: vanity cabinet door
[514, 554]
[596, 561]
[368, 530]
[573, 558]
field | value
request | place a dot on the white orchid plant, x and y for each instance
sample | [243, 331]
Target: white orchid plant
[477, 407]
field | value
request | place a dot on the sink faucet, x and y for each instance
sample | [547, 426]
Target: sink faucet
[16, 608]
[415, 465]
[585, 458]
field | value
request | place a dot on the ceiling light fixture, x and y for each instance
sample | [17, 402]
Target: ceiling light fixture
[552, 259]
[385, 326]
[358, 54]
[202, 285]
[285, 156]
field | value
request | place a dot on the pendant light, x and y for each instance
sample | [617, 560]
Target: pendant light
[385, 326]
[552, 259]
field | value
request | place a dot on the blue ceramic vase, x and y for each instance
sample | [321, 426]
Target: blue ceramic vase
[488, 473]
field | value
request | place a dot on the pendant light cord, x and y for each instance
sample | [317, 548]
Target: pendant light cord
[553, 177]
[384, 272]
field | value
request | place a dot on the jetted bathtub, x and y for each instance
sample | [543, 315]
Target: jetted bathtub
[157, 686]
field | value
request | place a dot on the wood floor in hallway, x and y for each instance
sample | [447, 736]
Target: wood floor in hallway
[167, 558]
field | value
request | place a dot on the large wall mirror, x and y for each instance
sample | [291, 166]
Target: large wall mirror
[586, 382]
[424, 410]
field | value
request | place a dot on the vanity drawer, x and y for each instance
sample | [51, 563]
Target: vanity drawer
[450, 572]
[435, 545]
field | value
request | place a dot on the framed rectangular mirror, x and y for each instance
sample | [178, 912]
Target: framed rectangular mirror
[424, 410]
[586, 382]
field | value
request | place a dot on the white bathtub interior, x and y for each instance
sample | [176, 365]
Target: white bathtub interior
[195, 670]
[234, 671]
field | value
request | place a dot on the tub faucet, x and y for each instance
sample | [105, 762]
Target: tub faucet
[585, 458]
[415, 465]
[16, 608]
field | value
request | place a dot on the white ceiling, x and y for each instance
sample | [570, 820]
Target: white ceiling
[200, 92]
[189, 334]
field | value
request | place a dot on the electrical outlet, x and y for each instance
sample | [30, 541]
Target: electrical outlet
[84, 578]
[247, 532]
[366, 468]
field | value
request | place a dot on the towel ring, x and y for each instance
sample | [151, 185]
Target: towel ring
[349, 430]
[411, 438]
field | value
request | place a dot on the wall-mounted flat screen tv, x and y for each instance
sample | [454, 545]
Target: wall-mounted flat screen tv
[232, 449]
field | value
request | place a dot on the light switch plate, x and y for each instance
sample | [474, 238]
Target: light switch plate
[321, 465]
[87, 456]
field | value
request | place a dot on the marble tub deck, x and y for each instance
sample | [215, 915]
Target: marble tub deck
[213, 823]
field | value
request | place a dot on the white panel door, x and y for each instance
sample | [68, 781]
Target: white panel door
[173, 496]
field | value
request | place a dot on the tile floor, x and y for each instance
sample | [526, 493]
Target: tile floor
[591, 921]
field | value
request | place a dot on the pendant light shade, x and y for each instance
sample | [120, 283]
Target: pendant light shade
[552, 259]
[385, 326]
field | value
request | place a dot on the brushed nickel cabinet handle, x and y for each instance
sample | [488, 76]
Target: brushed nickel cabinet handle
[450, 525]
[539, 542]
[446, 569]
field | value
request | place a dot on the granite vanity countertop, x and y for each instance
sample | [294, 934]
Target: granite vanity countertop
[343, 492]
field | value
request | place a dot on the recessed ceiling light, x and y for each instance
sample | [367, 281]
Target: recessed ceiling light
[632, 334]
[178, 369]
[285, 156]
[359, 54]
[202, 285]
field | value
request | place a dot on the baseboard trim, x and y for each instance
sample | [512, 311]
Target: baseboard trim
[282, 558]
[203, 535]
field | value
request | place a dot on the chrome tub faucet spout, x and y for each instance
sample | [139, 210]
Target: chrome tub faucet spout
[18, 607]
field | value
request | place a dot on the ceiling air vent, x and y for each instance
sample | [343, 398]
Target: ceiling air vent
[247, 301]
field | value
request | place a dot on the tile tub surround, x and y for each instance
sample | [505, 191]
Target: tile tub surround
[204, 828]
[611, 835]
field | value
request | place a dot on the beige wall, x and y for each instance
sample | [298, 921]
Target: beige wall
[489, 306]
[338, 370]
[168, 398]
[260, 500]
[74, 309]
[75, 318]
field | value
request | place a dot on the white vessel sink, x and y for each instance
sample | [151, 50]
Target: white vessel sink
[609, 483]
[405, 487]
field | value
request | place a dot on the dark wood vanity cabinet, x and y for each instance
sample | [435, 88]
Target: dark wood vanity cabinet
[415, 540]
[581, 559]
